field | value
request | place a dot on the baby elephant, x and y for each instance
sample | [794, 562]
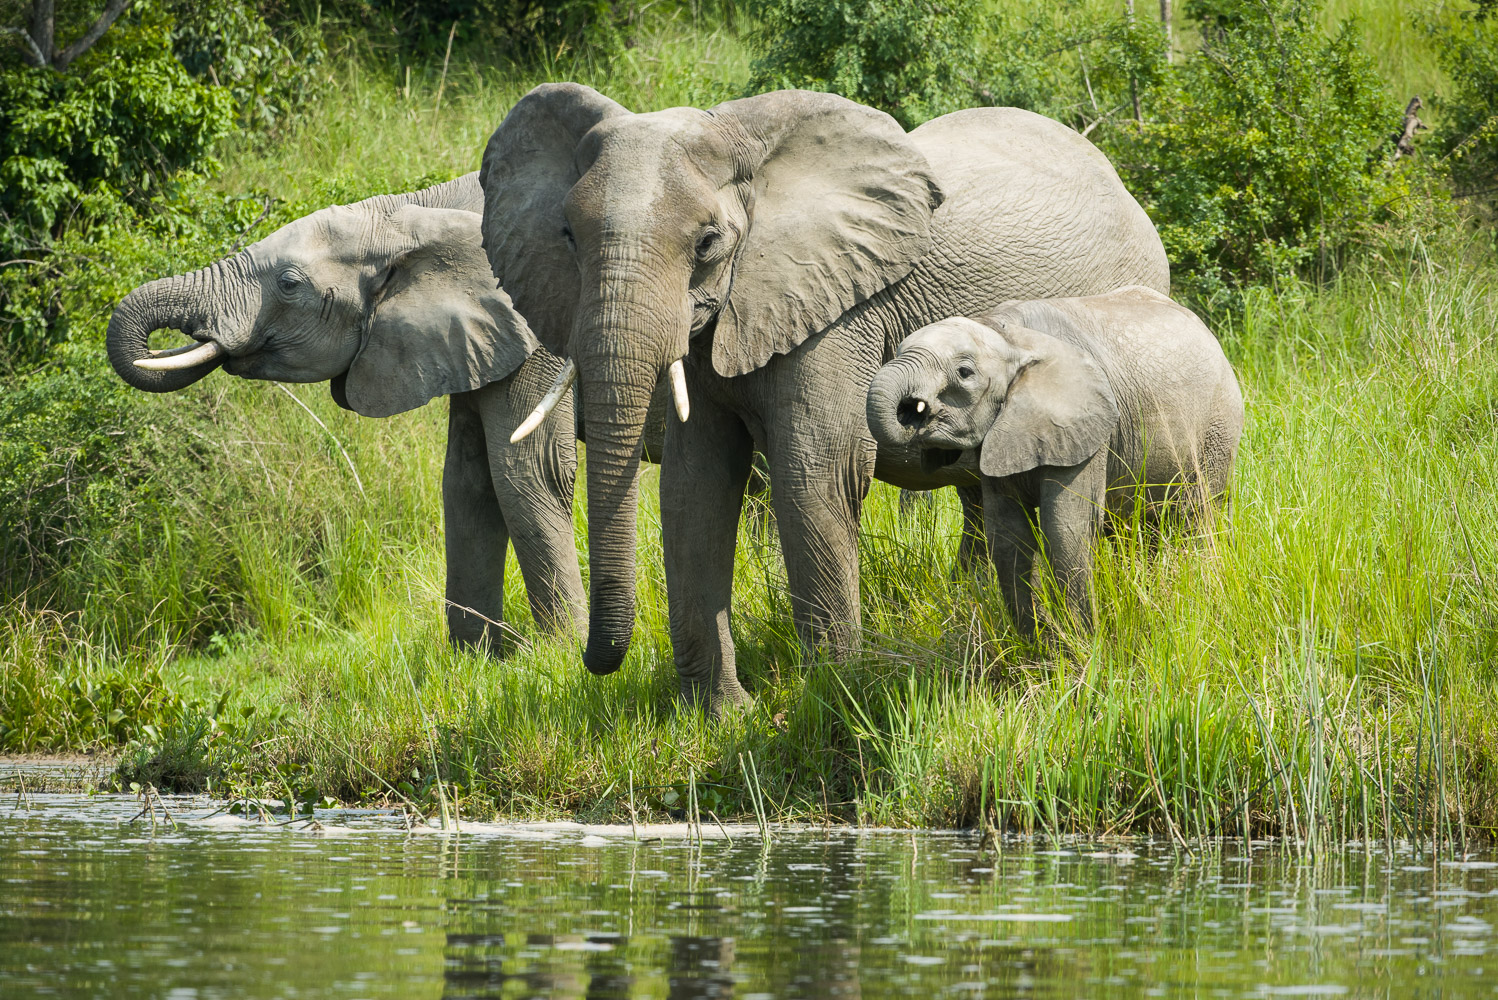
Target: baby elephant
[1076, 406]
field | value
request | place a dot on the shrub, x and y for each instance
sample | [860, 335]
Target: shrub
[1467, 132]
[269, 73]
[519, 28]
[1266, 152]
[915, 59]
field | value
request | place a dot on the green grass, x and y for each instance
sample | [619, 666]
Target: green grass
[1318, 663]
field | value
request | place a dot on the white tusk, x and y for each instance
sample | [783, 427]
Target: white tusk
[920, 406]
[678, 373]
[180, 358]
[558, 389]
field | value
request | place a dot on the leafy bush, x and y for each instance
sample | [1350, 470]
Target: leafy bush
[915, 59]
[123, 118]
[519, 28]
[269, 72]
[1467, 133]
[1266, 152]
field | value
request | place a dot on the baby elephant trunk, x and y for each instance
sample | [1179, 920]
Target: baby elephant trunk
[901, 401]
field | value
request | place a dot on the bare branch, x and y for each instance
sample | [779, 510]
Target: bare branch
[86, 41]
[32, 49]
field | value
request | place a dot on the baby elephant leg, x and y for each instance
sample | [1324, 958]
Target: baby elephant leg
[1011, 545]
[1071, 510]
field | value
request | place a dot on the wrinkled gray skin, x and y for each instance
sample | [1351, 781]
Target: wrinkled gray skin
[1074, 407]
[392, 300]
[781, 244]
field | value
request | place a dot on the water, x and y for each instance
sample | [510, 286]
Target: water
[93, 906]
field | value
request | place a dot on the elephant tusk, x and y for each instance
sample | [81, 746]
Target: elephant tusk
[920, 406]
[558, 389]
[678, 373]
[180, 358]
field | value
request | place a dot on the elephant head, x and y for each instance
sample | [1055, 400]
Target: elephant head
[623, 236]
[1026, 399]
[389, 298]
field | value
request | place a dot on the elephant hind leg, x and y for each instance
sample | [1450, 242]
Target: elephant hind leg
[475, 534]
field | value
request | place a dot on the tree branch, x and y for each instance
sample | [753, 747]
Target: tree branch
[32, 49]
[85, 42]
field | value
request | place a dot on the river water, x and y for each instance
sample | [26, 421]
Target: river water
[93, 905]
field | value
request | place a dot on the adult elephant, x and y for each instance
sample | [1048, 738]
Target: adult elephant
[769, 253]
[392, 300]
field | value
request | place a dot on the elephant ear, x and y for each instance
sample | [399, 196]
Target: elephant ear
[1059, 411]
[437, 325]
[527, 171]
[842, 203]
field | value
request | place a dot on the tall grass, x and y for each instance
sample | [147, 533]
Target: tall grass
[1316, 662]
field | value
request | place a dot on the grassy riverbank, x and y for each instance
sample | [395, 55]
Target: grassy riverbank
[1321, 661]
[1318, 663]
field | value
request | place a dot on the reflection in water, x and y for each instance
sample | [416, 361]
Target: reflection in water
[94, 907]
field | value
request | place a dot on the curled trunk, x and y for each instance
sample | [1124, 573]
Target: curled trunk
[890, 395]
[205, 304]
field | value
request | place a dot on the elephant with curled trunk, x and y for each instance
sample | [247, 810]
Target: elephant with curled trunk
[1075, 408]
[391, 299]
[769, 253]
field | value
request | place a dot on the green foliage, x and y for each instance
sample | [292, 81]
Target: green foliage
[270, 73]
[120, 121]
[525, 29]
[1467, 133]
[1266, 153]
[915, 59]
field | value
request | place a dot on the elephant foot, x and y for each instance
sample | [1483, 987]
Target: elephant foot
[716, 699]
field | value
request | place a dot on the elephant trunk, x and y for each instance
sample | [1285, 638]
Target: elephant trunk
[616, 390]
[205, 304]
[901, 401]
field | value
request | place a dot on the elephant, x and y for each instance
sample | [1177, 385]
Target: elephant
[768, 254]
[391, 300]
[1077, 408]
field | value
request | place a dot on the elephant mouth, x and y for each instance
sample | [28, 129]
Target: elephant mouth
[935, 459]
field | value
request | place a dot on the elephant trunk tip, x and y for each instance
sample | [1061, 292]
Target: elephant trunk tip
[603, 657]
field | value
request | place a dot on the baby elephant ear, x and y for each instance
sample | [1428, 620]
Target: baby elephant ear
[1060, 409]
[437, 323]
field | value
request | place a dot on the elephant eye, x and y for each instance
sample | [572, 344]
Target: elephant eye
[567, 235]
[965, 372]
[707, 244]
[289, 281]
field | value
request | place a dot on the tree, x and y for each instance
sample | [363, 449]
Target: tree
[40, 37]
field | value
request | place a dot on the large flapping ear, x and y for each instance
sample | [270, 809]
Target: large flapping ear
[842, 203]
[437, 325]
[528, 170]
[1059, 411]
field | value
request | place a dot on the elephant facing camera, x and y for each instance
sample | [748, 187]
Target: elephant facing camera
[1076, 408]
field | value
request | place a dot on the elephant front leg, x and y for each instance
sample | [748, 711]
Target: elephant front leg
[702, 490]
[534, 481]
[972, 547]
[1071, 510]
[1011, 545]
[820, 482]
[475, 534]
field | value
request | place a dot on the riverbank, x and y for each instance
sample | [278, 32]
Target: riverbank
[262, 614]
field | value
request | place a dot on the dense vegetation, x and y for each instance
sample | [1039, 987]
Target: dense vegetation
[197, 578]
